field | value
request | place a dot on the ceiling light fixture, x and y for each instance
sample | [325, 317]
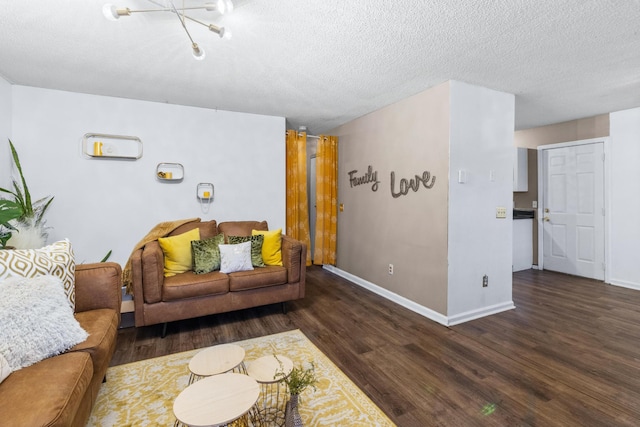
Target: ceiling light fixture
[114, 13]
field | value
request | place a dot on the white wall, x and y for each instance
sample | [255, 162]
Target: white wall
[111, 204]
[481, 144]
[5, 133]
[624, 223]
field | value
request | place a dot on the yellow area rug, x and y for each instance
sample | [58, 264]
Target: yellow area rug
[142, 393]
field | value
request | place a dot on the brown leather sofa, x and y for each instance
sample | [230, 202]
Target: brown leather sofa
[61, 390]
[159, 299]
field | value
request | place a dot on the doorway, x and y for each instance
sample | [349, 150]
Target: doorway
[572, 229]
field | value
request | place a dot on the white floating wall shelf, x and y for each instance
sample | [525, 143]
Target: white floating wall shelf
[115, 147]
[170, 172]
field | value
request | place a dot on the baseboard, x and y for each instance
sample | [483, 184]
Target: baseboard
[391, 296]
[481, 312]
[625, 284]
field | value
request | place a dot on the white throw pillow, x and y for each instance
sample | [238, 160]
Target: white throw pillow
[56, 260]
[36, 320]
[235, 257]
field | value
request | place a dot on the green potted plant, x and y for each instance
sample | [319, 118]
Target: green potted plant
[9, 211]
[30, 224]
[297, 381]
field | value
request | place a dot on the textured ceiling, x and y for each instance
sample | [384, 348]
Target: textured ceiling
[323, 63]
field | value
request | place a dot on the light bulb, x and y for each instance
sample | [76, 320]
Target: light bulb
[224, 6]
[110, 12]
[210, 7]
[227, 35]
[198, 52]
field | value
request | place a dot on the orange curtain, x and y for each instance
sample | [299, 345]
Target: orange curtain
[297, 200]
[326, 200]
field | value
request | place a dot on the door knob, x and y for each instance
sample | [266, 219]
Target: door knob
[546, 218]
[546, 210]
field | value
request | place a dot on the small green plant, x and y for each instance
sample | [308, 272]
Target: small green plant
[22, 196]
[299, 379]
[9, 211]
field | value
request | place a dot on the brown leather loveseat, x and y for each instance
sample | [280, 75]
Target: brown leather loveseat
[158, 299]
[61, 390]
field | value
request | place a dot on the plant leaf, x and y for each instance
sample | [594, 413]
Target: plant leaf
[27, 196]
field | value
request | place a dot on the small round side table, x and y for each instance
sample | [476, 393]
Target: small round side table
[217, 360]
[273, 393]
[218, 400]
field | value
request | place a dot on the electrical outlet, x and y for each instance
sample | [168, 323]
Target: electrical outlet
[501, 212]
[390, 268]
[485, 281]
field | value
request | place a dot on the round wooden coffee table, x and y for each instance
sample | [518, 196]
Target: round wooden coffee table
[217, 360]
[217, 400]
[274, 394]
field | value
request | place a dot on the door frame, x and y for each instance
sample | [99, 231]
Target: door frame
[607, 200]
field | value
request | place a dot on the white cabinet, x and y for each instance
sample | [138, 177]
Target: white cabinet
[522, 244]
[520, 170]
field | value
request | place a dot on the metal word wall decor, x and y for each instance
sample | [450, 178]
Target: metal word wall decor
[368, 177]
[371, 177]
[411, 184]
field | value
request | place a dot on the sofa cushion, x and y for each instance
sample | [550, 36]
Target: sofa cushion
[177, 252]
[189, 285]
[208, 229]
[56, 260]
[48, 393]
[272, 246]
[206, 254]
[235, 257]
[241, 228]
[102, 326]
[36, 320]
[256, 247]
[259, 278]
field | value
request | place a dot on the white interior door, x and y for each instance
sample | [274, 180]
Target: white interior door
[573, 210]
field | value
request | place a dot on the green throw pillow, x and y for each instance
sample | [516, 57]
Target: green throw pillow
[256, 247]
[206, 254]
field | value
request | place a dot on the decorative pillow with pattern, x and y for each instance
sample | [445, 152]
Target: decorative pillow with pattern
[206, 254]
[256, 247]
[56, 260]
[235, 257]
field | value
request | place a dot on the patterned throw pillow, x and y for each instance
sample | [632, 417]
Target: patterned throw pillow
[56, 260]
[206, 254]
[235, 257]
[256, 247]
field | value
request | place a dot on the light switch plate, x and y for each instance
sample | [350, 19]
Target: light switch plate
[501, 212]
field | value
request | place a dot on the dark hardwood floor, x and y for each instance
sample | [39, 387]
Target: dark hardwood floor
[568, 355]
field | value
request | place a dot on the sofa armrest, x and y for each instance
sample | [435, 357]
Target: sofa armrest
[98, 285]
[151, 273]
[294, 259]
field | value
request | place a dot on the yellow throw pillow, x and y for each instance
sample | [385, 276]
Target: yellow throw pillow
[177, 252]
[271, 247]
